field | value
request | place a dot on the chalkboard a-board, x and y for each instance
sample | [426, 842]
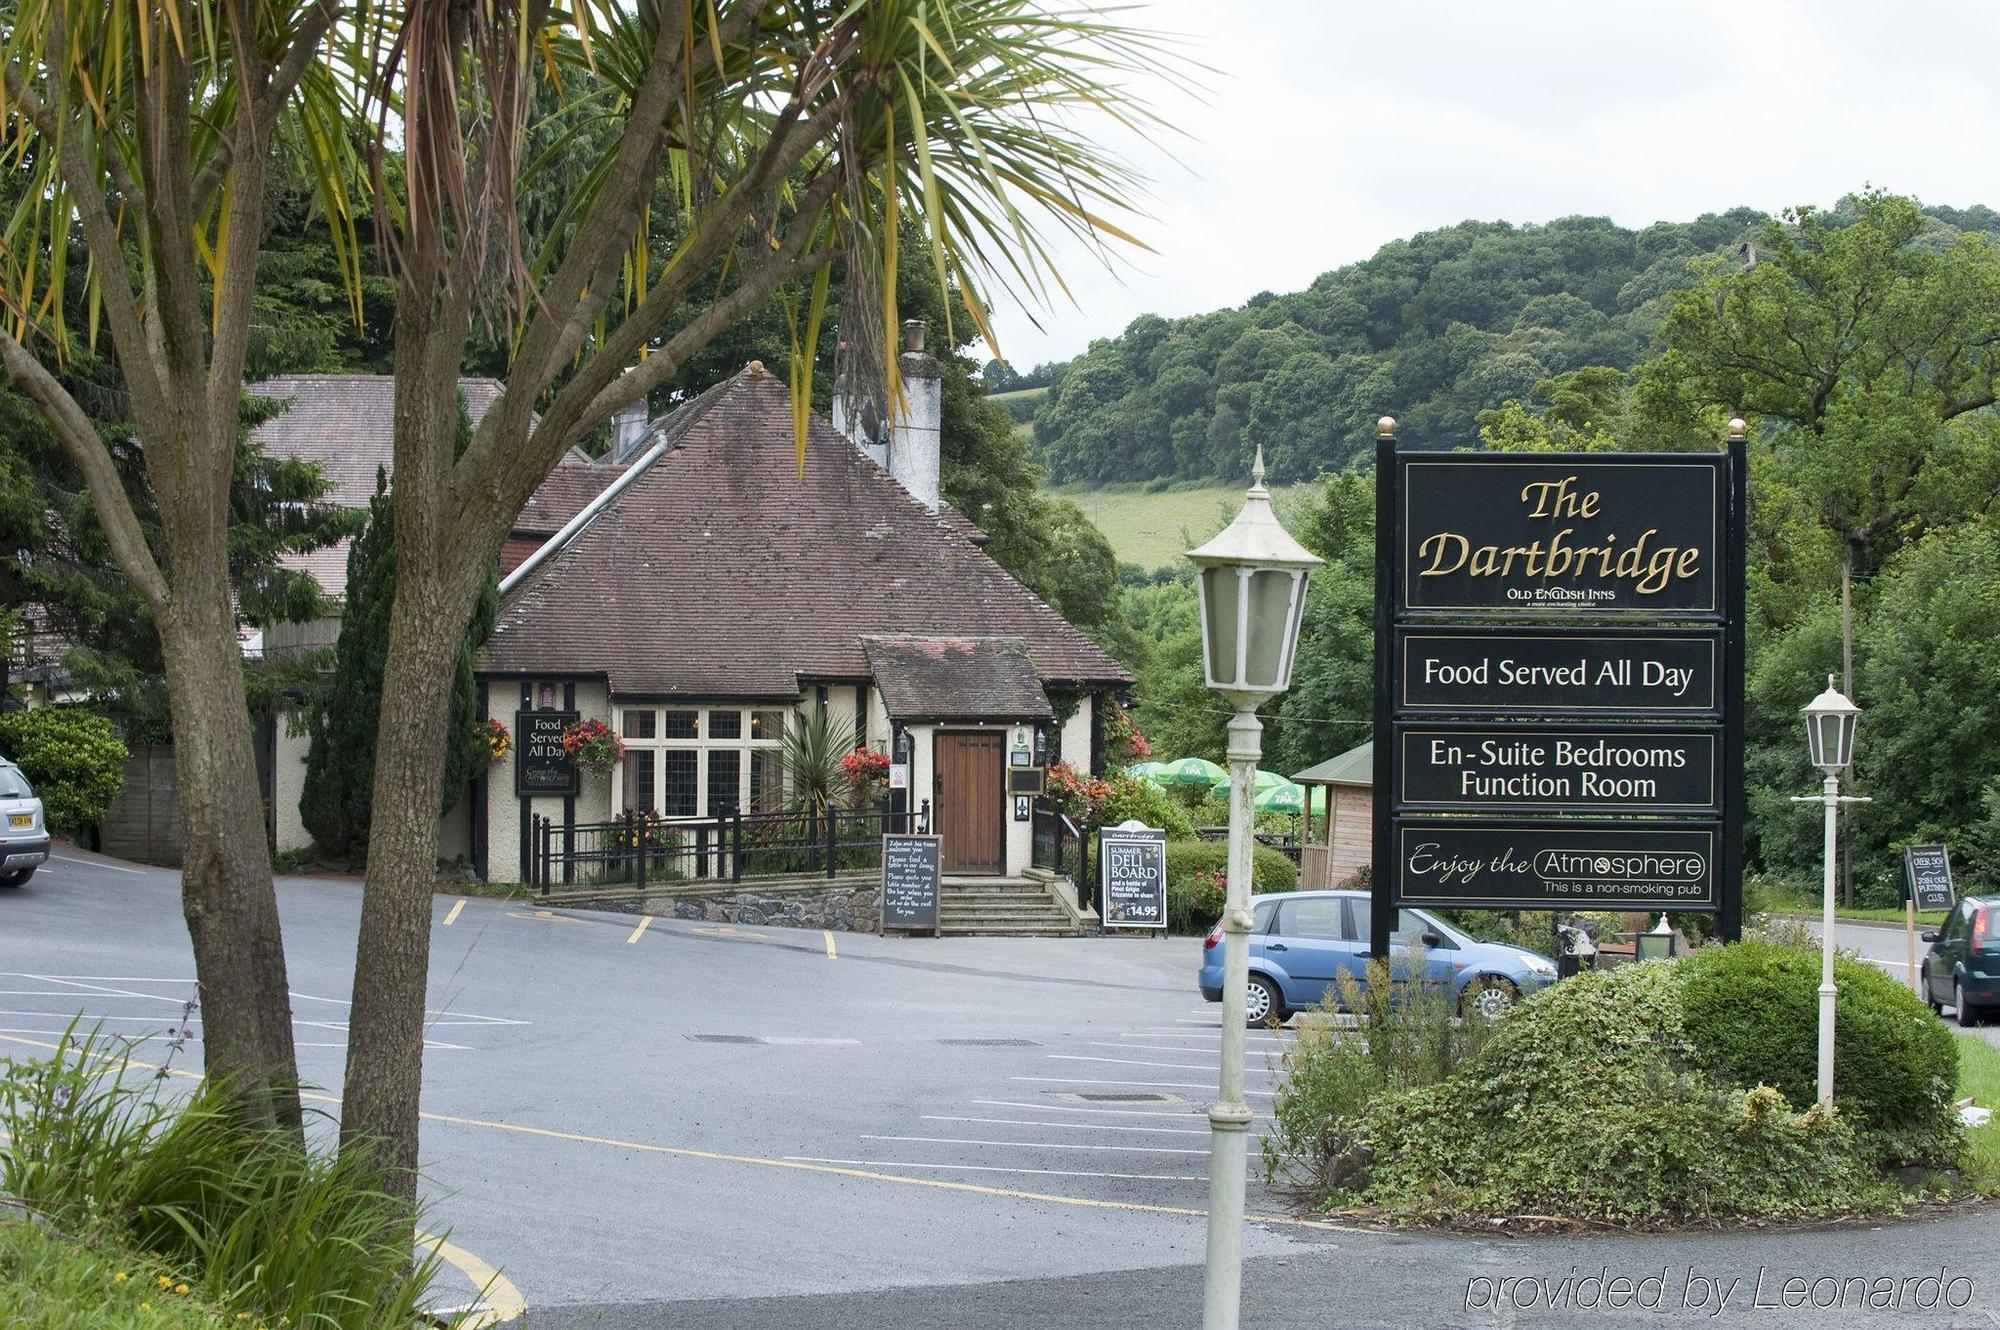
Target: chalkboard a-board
[1132, 872]
[910, 870]
[1927, 876]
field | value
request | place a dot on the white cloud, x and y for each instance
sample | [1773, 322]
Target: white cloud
[1332, 126]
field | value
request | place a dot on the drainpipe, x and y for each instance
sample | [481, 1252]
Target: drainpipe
[575, 525]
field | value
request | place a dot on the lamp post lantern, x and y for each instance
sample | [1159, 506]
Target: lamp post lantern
[1831, 720]
[1251, 583]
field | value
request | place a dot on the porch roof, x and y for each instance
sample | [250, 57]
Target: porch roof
[1356, 766]
[957, 678]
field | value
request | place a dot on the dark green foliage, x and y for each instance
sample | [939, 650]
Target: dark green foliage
[72, 757]
[1432, 330]
[1197, 876]
[1752, 1017]
[338, 794]
[1149, 804]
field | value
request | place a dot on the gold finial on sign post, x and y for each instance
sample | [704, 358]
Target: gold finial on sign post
[1738, 428]
[1386, 427]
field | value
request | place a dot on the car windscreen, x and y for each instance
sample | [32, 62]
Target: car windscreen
[13, 785]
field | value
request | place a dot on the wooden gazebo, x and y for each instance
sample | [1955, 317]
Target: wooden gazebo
[1340, 841]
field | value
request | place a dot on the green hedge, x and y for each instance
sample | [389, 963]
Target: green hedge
[1752, 1012]
[1196, 873]
[73, 758]
[1149, 804]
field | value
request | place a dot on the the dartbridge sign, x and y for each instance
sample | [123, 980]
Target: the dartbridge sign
[1559, 681]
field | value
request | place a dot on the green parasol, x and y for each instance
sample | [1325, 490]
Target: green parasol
[1191, 771]
[1146, 771]
[1286, 798]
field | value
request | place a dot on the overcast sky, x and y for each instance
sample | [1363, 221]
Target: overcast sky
[1331, 127]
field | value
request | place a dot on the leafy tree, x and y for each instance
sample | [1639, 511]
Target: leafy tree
[72, 757]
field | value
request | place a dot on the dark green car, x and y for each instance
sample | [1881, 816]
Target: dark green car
[1962, 968]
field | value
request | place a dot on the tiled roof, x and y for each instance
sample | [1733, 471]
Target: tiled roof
[957, 678]
[346, 423]
[722, 571]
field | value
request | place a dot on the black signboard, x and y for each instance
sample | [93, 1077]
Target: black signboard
[540, 764]
[910, 870]
[1132, 870]
[1650, 769]
[1556, 865]
[1927, 876]
[1518, 672]
[1562, 534]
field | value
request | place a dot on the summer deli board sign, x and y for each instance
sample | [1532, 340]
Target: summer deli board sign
[1517, 672]
[910, 871]
[1559, 768]
[1132, 864]
[1561, 536]
[541, 766]
[1549, 865]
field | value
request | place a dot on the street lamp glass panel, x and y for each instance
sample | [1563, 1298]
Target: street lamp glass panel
[1221, 608]
[1271, 628]
[1831, 737]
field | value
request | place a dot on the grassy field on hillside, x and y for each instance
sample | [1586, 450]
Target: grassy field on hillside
[1156, 529]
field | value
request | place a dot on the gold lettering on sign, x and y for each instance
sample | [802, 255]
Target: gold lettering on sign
[1651, 567]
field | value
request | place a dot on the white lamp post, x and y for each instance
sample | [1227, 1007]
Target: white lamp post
[1830, 725]
[1251, 580]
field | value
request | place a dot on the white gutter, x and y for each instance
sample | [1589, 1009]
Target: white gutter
[554, 544]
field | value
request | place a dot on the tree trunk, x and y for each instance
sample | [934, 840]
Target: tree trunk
[227, 893]
[392, 960]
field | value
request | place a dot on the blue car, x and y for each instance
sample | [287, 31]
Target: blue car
[1301, 940]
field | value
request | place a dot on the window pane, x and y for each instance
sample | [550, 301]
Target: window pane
[683, 724]
[678, 785]
[767, 725]
[724, 794]
[639, 781]
[767, 781]
[725, 725]
[1312, 917]
[639, 724]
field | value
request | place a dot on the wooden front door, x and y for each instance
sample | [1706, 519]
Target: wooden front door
[967, 801]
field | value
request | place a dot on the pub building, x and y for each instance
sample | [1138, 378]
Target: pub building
[697, 591]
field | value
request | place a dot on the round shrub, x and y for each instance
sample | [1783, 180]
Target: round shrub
[73, 758]
[1578, 1107]
[1752, 1013]
[1197, 877]
[1149, 804]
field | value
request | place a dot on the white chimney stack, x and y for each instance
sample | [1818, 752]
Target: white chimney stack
[628, 431]
[915, 440]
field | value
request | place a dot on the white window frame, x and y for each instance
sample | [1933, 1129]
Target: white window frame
[701, 745]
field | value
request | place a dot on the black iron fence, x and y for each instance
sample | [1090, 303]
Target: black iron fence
[645, 850]
[1061, 846]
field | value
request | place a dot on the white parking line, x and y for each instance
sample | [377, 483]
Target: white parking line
[1135, 1062]
[1187, 1114]
[1071, 1126]
[1162, 1048]
[92, 863]
[1151, 1085]
[993, 1168]
[1041, 1145]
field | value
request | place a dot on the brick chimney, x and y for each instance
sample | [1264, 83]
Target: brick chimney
[914, 436]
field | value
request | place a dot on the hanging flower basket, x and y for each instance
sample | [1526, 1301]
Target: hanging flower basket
[867, 775]
[593, 745]
[499, 743]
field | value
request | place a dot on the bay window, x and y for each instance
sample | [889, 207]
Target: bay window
[701, 762]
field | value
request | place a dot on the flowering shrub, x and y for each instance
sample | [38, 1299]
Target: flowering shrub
[593, 745]
[1124, 744]
[865, 772]
[1079, 796]
[651, 829]
[499, 743]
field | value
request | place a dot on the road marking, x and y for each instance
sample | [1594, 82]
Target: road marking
[995, 1168]
[1188, 1114]
[804, 1040]
[1135, 1062]
[1151, 1085]
[832, 953]
[1163, 1048]
[804, 1165]
[452, 918]
[645, 922]
[498, 1298]
[1072, 1126]
[731, 933]
[1043, 1145]
[546, 916]
[92, 863]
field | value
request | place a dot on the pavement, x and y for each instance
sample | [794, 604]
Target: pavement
[665, 1123]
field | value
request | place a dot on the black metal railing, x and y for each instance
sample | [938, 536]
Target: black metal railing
[1060, 846]
[643, 850]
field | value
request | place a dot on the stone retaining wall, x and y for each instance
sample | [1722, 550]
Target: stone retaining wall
[844, 904]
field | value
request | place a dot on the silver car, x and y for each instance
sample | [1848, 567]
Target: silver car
[24, 836]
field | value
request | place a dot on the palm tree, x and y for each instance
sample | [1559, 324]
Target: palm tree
[814, 743]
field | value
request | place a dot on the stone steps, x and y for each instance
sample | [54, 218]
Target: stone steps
[1001, 907]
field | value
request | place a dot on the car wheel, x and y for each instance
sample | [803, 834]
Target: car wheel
[1264, 1004]
[1489, 996]
[1967, 1014]
[16, 878]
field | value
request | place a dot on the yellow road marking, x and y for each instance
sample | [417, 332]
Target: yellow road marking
[644, 923]
[831, 953]
[726, 931]
[499, 1299]
[548, 915]
[452, 918]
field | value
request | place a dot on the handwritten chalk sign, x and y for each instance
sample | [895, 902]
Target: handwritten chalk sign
[1927, 876]
[910, 869]
[1132, 875]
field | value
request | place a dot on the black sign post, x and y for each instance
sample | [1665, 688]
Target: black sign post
[1558, 682]
[910, 870]
[541, 765]
[1132, 875]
